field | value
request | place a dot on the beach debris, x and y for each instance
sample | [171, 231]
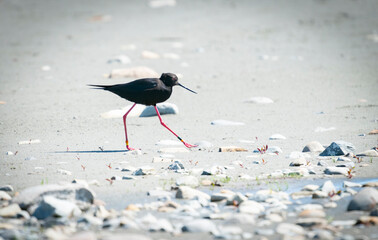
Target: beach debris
[232, 149]
[259, 100]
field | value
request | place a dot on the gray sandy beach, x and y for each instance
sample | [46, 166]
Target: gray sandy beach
[281, 74]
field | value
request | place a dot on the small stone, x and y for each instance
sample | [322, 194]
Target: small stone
[277, 137]
[374, 212]
[290, 229]
[29, 141]
[5, 196]
[9, 153]
[330, 205]
[260, 100]
[222, 122]
[312, 213]
[177, 166]
[102, 212]
[370, 184]
[301, 194]
[322, 163]
[368, 220]
[311, 222]
[145, 170]
[173, 150]
[150, 55]
[322, 234]
[328, 187]
[251, 207]
[185, 192]
[298, 162]
[132, 207]
[190, 181]
[135, 72]
[310, 187]
[336, 170]
[206, 182]
[343, 159]
[200, 226]
[123, 59]
[10, 211]
[347, 165]
[232, 149]
[274, 150]
[365, 200]
[319, 194]
[373, 132]
[273, 217]
[164, 108]
[214, 170]
[303, 207]
[162, 225]
[264, 232]
[46, 68]
[51, 206]
[368, 153]
[313, 147]
[338, 148]
[30, 159]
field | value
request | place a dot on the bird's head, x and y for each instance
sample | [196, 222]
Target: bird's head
[170, 80]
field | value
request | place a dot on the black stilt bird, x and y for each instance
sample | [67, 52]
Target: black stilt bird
[146, 91]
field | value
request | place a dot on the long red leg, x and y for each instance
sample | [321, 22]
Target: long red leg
[162, 123]
[124, 123]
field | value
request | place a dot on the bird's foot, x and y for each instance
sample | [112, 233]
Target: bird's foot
[189, 145]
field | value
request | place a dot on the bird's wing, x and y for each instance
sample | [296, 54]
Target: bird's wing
[134, 87]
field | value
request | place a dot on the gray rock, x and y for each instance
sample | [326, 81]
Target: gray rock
[186, 192]
[313, 147]
[159, 193]
[164, 108]
[162, 225]
[11, 234]
[322, 163]
[336, 171]
[320, 194]
[190, 181]
[290, 229]
[73, 192]
[328, 187]
[374, 212]
[321, 234]
[310, 187]
[338, 148]
[6, 188]
[251, 207]
[224, 195]
[365, 200]
[351, 184]
[177, 166]
[10, 211]
[214, 170]
[51, 206]
[200, 226]
[347, 165]
[311, 222]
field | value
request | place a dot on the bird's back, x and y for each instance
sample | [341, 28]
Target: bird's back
[147, 91]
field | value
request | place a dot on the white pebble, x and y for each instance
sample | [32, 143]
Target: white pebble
[259, 100]
[222, 122]
[277, 137]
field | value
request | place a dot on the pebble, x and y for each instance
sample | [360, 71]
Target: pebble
[51, 206]
[343, 159]
[86, 235]
[310, 206]
[330, 205]
[322, 163]
[232, 149]
[72, 192]
[264, 232]
[323, 129]
[118, 113]
[298, 162]
[310, 187]
[370, 184]
[30, 159]
[173, 150]
[134, 72]
[200, 226]
[373, 132]
[251, 207]
[290, 229]
[313, 146]
[6, 188]
[368, 153]
[144, 170]
[221, 122]
[161, 3]
[46, 68]
[260, 100]
[312, 213]
[64, 172]
[164, 109]
[9, 153]
[368, 220]
[161, 225]
[274, 149]
[177, 166]
[277, 137]
[10, 211]
[338, 148]
[185, 192]
[150, 55]
[336, 170]
[123, 59]
[328, 187]
[29, 141]
[319, 194]
[4, 196]
[347, 165]
[365, 200]
[190, 181]
[214, 170]
[311, 222]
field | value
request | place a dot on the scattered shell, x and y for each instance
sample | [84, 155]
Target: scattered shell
[164, 108]
[150, 55]
[29, 141]
[135, 72]
[123, 59]
[46, 68]
[277, 137]
[222, 122]
[259, 100]
[161, 3]
[322, 129]
[232, 149]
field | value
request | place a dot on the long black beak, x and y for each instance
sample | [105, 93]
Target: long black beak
[186, 88]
